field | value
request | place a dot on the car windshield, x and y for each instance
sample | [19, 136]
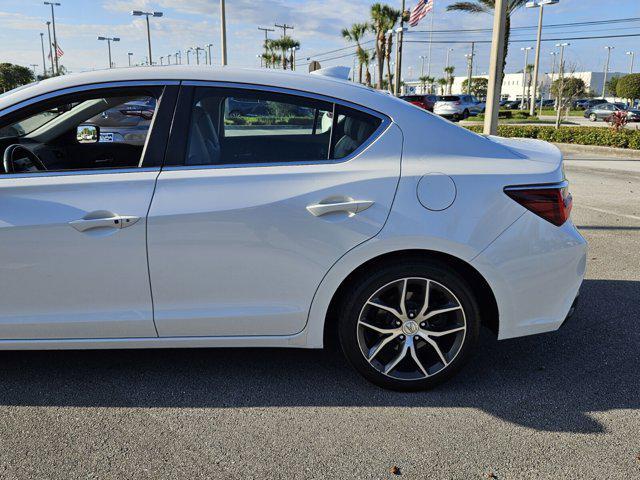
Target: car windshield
[449, 98]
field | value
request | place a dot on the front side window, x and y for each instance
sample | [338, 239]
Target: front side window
[252, 127]
[87, 131]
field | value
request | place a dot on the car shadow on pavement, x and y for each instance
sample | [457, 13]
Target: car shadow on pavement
[551, 382]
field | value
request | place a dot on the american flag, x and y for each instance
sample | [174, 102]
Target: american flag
[420, 11]
[59, 51]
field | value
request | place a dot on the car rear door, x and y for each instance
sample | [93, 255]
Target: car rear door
[73, 262]
[252, 211]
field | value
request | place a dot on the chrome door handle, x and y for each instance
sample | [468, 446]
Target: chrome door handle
[351, 206]
[115, 221]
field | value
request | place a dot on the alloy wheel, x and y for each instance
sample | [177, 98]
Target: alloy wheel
[411, 328]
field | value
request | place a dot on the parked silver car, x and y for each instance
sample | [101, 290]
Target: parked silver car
[458, 107]
[601, 111]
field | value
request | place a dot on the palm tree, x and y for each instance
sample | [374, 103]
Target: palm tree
[487, 6]
[448, 72]
[393, 16]
[355, 34]
[364, 58]
[285, 44]
[381, 16]
[442, 82]
[423, 82]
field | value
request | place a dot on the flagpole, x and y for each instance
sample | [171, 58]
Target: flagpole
[433, 13]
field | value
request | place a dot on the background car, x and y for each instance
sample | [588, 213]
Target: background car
[633, 115]
[589, 103]
[458, 107]
[601, 111]
[423, 101]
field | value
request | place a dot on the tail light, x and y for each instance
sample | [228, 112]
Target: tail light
[551, 202]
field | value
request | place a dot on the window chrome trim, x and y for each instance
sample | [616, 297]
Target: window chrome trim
[385, 122]
[86, 87]
[69, 173]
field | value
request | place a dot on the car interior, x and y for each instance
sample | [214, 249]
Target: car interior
[286, 129]
[80, 133]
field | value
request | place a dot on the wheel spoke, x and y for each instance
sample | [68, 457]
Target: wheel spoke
[391, 310]
[377, 329]
[375, 350]
[403, 353]
[425, 306]
[435, 346]
[431, 333]
[414, 355]
[441, 311]
[403, 297]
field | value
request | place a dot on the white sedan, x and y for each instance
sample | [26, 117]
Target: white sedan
[137, 212]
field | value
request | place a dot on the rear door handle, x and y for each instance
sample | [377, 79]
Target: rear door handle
[115, 221]
[351, 206]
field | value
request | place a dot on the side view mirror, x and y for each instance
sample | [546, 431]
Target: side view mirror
[88, 134]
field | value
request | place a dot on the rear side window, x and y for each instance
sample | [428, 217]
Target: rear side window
[229, 126]
[449, 98]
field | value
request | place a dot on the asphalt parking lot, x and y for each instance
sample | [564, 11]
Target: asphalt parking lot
[560, 405]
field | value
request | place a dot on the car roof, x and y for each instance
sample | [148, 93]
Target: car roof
[303, 82]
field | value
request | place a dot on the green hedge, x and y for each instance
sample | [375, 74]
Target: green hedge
[270, 120]
[603, 137]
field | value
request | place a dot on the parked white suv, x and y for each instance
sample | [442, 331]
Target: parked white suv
[458, 107]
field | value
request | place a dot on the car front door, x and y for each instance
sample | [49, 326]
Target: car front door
[257, 208]
[73, 261]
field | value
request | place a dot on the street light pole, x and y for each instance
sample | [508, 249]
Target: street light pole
[209, 45]
[469, 57]
[53, 72]
[109, 40]
[553, 70]
[139, 13]
[524, 75]
[495, 68]
[55, 40]
[536, 69]
[161, 60]
[606, 71]
[44, 62]
[223, 33]
[129, 54]
[631, 54]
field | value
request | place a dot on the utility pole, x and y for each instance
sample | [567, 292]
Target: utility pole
[433, 11]
[44, 62]
[399, 38]
[55, 40]
[223, 32]
[495, 68]
[129, 54]
[524, 75]
[139, 13]
[606, 71]
[631, 54]
[53, 72]
[284, 28]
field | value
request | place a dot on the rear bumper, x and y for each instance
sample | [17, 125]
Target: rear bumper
[535, 270]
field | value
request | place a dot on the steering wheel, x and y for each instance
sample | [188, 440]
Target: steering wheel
[23, 158]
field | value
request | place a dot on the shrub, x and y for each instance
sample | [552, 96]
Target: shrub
[603, 137]
[629, 86]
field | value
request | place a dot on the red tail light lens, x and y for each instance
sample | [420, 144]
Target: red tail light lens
[553, 203]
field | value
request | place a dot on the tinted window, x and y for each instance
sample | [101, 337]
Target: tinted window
[246, 126]
[86, 131]
[449, 98]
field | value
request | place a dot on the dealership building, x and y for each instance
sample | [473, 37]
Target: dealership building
[513, 82]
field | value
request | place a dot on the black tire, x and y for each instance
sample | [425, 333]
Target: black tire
[465, 114]
[370, 283]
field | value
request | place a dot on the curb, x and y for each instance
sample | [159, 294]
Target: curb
[570, 150]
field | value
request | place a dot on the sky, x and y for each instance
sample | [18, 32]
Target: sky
[317, 25]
